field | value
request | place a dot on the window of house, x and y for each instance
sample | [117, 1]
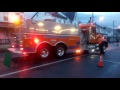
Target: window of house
[5, 18]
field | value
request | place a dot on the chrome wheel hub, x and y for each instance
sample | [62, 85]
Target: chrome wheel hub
[44, 53]
[60, 51]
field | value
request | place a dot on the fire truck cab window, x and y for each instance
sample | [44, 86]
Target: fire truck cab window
[93, 30]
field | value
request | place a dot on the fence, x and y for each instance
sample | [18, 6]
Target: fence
[4, 41]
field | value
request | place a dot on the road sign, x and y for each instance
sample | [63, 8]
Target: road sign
[7, 59]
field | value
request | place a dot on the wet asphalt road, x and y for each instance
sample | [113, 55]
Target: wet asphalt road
[71, 66]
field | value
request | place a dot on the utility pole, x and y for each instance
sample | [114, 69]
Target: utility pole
[92, 17]
[113, 29]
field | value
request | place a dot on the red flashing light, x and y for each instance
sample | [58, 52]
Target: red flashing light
[91, 23]
[13, 46]
[21, 49]
[21, 45]
[80, 24]
[36, 40]
[104, 37]
[24, 53]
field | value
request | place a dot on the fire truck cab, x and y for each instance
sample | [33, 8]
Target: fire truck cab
[91, 40]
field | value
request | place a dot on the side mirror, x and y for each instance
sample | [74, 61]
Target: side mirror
[98, 36]
[105, 37]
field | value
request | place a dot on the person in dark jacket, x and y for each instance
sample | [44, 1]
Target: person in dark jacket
[117, 39]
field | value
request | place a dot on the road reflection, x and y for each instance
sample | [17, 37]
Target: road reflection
[24, 73]
[78, 59]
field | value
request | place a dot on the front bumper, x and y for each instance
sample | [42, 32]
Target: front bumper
[18, 51]
[93, 48]
[15, 50]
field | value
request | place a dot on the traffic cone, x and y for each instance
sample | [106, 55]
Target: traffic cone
[100, 63]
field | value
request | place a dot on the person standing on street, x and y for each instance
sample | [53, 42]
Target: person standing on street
[117, 41]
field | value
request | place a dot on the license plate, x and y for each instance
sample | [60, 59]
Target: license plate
[91, 46]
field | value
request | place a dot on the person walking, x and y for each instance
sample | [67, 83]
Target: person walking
[117, 39]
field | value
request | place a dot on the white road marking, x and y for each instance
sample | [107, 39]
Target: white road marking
[37, 66]
[112, 61]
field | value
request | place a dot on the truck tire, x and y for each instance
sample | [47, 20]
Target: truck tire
[60, 51]
[43, 52]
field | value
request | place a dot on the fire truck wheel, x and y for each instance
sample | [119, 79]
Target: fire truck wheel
[43, 52]
[60, 51]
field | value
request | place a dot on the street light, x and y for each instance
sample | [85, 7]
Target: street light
[14, 18]
[17, 20]
[92, 17]
[118, 27]
[101, 18]
[114, 29]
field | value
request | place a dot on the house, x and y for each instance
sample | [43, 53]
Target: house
[100, 29]
[6, 25]
[109, 31]
[69, 18]
[104, 30]
[73, 17]
[58, 17]
[117, 33]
